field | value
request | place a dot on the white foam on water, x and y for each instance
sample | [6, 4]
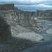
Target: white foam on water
[29, 36]
[49, 31]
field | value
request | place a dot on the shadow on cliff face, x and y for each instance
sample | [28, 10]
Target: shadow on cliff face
[5, 32]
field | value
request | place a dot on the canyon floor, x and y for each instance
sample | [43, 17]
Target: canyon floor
[20, 43]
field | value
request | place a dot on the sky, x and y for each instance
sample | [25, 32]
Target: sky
[42, 4]
[26, 0]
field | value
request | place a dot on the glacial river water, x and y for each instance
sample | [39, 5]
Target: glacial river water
[45, 46]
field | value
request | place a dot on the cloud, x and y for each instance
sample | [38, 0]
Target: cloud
[32, 4]
[25, 0]
[43, 5]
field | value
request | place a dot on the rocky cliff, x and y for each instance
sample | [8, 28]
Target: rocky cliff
[21, 21]
[24, 26]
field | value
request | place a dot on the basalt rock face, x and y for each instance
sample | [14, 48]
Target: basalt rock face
[22, 21]
[11, 23]
[4, 30]
[7, 7]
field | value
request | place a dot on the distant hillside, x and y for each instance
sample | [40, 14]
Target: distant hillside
[7, 7]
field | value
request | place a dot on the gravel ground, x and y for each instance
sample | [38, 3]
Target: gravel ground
[15, 45]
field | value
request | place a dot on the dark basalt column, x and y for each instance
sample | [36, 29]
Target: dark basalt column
[5, 32]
